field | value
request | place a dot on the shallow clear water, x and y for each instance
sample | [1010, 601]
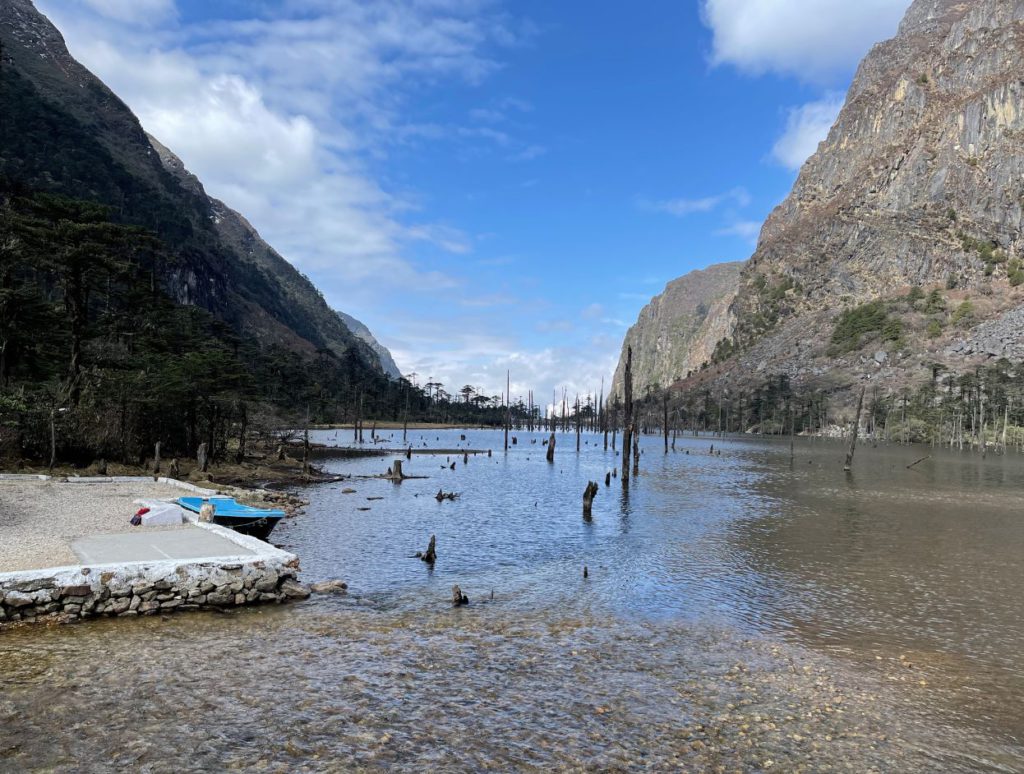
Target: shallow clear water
[871, 621]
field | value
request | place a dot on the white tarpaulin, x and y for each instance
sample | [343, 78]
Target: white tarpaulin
[161, 514]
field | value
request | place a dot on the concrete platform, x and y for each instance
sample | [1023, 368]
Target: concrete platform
[144, 546]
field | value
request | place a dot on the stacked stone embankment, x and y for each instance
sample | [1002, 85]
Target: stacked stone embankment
[84, 592]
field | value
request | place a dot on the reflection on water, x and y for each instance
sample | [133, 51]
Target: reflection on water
[740, 609]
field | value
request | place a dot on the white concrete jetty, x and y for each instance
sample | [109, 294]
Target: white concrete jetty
[67, 550]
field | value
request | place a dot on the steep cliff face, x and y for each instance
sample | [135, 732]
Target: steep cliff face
[919, 183]
[677, 331]
[63, 131]
[387, 362]
[925, 152]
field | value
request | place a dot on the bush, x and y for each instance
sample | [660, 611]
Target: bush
[934, 329]
[935, 303]
[892, 330]
[963, 313]
[857, 323]
[915, 295]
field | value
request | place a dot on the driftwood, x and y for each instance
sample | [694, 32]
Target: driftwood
[912, 465]
[588, 499]
[443, 495]
[551, 448]
[458, 598]
[430, 555]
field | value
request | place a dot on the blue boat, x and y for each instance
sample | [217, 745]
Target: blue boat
[258, 522]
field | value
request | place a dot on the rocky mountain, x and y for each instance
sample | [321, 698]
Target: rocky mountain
[903, 232]
[387, 362]
[677, 331]
[63, 131]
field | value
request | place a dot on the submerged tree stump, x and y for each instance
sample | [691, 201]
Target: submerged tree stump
[588, 499]
[458, 598]
[551, 448]
[430, 555]
[395, 472]
[608, 478]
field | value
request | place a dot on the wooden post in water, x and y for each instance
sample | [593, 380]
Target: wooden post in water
[578, 423]
[636, 450]
[665, 418]
[588, 499]
[853, 436]
[627, 424]
[508, 405]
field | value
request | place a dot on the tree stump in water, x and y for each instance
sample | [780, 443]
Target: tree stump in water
[430, 555]
[202, 458]
[395, 472]
[458, 598]
[588, 499]
[551, 448]
[408, 454]
[608, 478]
[465, 458]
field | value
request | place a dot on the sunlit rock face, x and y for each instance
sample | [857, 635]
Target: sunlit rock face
[919, 183]
[678, 330]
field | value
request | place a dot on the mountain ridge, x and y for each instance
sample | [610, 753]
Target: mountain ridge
[914, 191]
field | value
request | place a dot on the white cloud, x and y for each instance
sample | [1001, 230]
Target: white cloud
[144, 12]
[744, 229]
[806, 127]
[283, 116]
[683, 207]
[815, 40]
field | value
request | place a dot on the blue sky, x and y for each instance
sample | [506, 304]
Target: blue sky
[488, 185]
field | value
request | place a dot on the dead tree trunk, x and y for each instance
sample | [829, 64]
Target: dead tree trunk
[202, 458]
[627, 426]
[156, 459]
[588, 499]
[665, 419]
[551, 448]
[853, 436]
[636, 451]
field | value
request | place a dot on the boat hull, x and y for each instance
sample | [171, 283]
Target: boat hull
[259, 528]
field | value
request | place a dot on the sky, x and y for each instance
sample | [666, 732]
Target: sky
[490, 186]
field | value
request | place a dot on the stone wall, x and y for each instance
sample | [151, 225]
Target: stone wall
[129, 590]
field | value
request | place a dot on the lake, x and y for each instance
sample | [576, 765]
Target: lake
[743, 610]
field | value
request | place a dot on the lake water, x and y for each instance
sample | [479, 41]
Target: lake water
[743, 611]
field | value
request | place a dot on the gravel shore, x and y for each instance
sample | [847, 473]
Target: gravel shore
[39, 519]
